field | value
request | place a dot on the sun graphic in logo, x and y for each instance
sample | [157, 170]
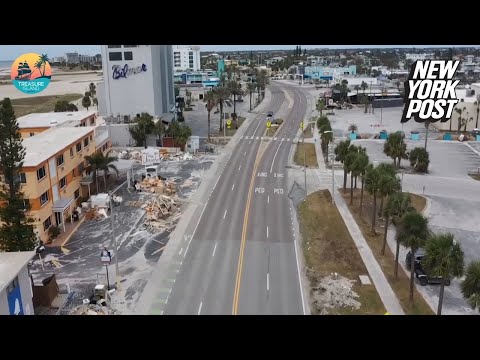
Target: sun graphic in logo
[31, 73]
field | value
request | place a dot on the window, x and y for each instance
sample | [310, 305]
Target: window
[26, 204]
[63, 182]
[129, 46]
[31, 134]
[12, 286]
[71, 151]
[92, 121]
[47, 223]
[60, 160]
[114, 46]
[74, 173]
[91, 137]
[22, 178]
[76, 194]
[85, 142]
[80, 168]
[44, 198]
[115, 56]
[41, 173]
[79, 147]
[128, 55]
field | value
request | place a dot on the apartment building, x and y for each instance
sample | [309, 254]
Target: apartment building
[51, 175]
[186, 57]
[36, 123]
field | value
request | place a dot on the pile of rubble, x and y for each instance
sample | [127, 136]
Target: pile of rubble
[156, 185]
[91, 309]
[159, 210]
[164, 155]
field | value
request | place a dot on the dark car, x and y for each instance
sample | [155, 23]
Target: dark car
[270, 114]
[419, 254]
[424, 279]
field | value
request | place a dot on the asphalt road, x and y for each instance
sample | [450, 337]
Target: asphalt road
[232, 265]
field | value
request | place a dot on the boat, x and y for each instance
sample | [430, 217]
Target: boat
[24, 71]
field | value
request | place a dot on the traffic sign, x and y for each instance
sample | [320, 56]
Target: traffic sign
[301, 125]
[269, 123]
[229, 123]
[106, 256]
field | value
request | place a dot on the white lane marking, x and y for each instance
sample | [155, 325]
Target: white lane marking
[219, 176]
[256, 138]
[274, 138]
[257, 128]
[214, 249]
[273, 161]
[268, 199]
[245, 153]
[225, 214]
[233, 186]
[180, 252]
[268, 281]
[267, 231]
[299, 278]
[239, 167]
[200, 308]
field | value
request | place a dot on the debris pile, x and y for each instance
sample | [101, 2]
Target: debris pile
[157, 185]
[91, 309]
[334, 291]
[159, 209]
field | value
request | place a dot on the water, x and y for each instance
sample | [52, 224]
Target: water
[6, 64]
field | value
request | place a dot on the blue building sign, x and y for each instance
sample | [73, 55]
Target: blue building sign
[15, 300]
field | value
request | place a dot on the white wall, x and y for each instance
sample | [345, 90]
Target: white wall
[184, 57]
[26, 293]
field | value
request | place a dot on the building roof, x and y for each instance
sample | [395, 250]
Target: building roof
[10, 265]
[51, 118]
[43, 146]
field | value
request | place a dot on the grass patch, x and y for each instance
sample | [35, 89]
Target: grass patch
[233, 129]
[40, 104]
[475, 176]
[308, 132]
[310, 155]
[400, 286]
[328, 247]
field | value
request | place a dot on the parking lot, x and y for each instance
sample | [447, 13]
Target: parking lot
[454, 204]
[78, 262]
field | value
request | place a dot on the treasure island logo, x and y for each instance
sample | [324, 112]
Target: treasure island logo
[430, 91]
[31, 73]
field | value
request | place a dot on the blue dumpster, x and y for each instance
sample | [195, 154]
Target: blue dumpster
[353, 136]
[414, 135]
[383, 135]
[447, 136]
[478, 137]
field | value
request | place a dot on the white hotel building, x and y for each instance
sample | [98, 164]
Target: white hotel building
[186, 57]
[136, 79]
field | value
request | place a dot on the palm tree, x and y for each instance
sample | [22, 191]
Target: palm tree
[356, 88]
[211, 101]
[179, 132]
[471, 285]
[44, 59]
[159, 130]
[106, 165]
[350, 165]
[362, 166]
[465, 122]
[427, 125]
[326, 137]
[94, 162]
[38, 65]
[459, 121]
[341, 152]
[397, 204]
[443, 258]
[321, 106]
[144, 126]
[389, 182]
[413, 233]
[251, 89]
[396, 148]
[364, 86]
[477, 104]
[372, 185]
[235, 89]
[222, 94]
[86, 103]
[353, 128]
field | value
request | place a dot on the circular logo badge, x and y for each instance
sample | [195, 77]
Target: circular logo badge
[31, 73]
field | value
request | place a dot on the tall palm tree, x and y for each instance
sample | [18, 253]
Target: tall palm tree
[235, 90]
[99, 161]
[38, 65]
[321, 106]
[443, 258]
[251, 86]
[363, 165]
[356, 88]
[350, 165]
[44, 58]
[222, 93]
[364, 86]
[397, 204]
[459, 111]
[106, 165]
[372, 185]
[341, 152]
[326, 138]
[389, 182]
[413, 233]
[159, 130]
[211, 101]
[477, 104]
[396, 148]
[471, 285]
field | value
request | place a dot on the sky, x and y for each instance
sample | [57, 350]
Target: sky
[11, 52]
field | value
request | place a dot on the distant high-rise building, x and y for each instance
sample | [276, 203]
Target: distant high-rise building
[186, 57]
[72, 58]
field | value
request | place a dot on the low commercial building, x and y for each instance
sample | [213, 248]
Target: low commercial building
[36, 123]
[52, 173]
[469, 102]
[16, 294]
[327, 73]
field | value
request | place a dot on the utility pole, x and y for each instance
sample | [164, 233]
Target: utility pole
[304, 162]
[117, 272]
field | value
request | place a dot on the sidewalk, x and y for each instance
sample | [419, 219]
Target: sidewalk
[386, 293]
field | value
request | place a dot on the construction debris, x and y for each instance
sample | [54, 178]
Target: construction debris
[91, 309]
[157, 185]
[333, 292]
[159, 209]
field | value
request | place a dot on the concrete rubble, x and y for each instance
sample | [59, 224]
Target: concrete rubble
[334, 291]
[165, 155]
[91, 309]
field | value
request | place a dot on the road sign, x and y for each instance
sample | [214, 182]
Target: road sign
[301, 125]
[106, 256]
[229, 123]
[269, 124]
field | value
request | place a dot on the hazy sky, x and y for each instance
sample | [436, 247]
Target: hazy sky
[11, 52]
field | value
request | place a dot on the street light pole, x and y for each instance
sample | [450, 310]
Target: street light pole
[117, 272]
[304, 163]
